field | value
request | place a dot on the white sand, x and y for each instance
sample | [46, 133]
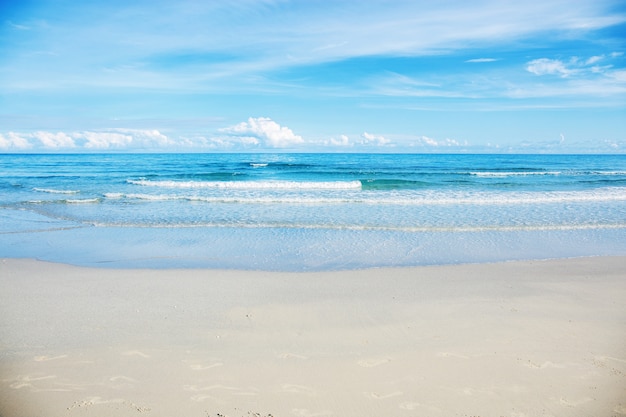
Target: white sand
[514, 339]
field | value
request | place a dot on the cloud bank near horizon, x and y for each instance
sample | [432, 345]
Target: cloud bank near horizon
[263, 133]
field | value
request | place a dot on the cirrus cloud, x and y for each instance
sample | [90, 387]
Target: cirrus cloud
[481, 60]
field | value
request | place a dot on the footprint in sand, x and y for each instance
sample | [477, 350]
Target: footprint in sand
[604, 358]
[199, 367]
[135, 353]
[574, 403]
[620, 409]
[27, 380]
[292, 356]
[298, 389]
[93, 401]
[196, 388]
[451, 355]
[205, 395]
[378, 396]
[303, 412]
[414, 405]
[409, 406]
[122, 382]
[608, 362]
[48, 358]
[122, 378]
[547, 364]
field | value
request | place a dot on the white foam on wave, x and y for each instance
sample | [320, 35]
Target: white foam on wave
[510, 198]
[374, 228]
[82, 201]
[151, 197]
[490, 174]
[435, 198]
[234, 200]
[607, 173]
[255, 185]
[512, 174]
[67, 201]
[273, 200]
[53, 191]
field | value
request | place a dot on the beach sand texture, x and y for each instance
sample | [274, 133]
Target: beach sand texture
[541, 338]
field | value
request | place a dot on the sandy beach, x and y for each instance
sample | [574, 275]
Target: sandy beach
[540, 338]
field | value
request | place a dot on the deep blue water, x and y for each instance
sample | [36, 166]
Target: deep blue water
[309, 211]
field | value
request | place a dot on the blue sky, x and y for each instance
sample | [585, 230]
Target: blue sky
[332, 76]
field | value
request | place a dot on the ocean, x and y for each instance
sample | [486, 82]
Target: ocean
[309, 212]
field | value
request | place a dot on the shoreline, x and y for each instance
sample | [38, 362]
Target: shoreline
[515, 338]
[287, 249]
[105, 265]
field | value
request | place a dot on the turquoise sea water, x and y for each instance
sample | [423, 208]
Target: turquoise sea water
[309, 211]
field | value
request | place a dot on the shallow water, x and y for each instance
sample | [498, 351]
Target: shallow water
[309, 211]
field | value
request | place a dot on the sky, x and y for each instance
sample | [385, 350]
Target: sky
[538, 76]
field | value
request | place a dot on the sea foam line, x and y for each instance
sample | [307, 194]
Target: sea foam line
[82, 201]
[512, 174]
[503, 174]
[356, 227]
[53, 191]
[257, 185]
[409, 199]
[67, 201]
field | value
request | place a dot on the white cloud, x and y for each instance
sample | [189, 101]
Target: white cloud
[217, 143]
[430, 142]
[263, 130]
[258, 132]
[147, 138]
[399, 85]
[544, 66]
[137, 48]
[344, 29]
[579, 77]
[593, 60]
[370, 139]
[574, 67]
[118, 139]
[136, 139]
[593, 78]
[17, 26]
[14, 141]
[54, 140]
[480, 60]
[104, 140]
[619, 76]
[342, 141]
[36, 140]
